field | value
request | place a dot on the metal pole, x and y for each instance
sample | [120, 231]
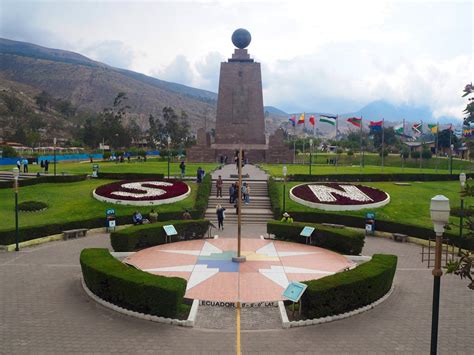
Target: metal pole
[284, 194]
[460, 222]
[239, 258]
[437, 272]
[383, 138]
[17, 232]
[54, 156]
[310, 159]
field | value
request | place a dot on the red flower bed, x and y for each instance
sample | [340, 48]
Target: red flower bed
[304, 192]
[177, 189]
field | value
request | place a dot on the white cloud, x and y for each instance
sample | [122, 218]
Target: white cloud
[178, 71]
[112, 52]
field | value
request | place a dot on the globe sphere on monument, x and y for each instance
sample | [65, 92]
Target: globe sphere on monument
[241, 38]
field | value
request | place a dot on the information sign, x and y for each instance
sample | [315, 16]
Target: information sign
[307, 231]
[170, 230]
[294, 291]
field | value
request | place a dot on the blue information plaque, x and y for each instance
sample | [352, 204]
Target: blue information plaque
[170, 230]
[109, 212]
[294, 291]
[307, 231]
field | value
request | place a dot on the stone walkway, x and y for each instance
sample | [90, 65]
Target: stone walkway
[43, 310]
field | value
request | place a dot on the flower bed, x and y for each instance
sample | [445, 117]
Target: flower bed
[338, 196]
[142, 192]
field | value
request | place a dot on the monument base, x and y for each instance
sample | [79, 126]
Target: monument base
[239, 259]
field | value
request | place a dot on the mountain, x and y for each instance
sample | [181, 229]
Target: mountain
[92, 86]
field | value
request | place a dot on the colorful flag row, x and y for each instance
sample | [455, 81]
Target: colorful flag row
[323, 118]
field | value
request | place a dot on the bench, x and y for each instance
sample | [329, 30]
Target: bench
[398, 237]
[74, 233]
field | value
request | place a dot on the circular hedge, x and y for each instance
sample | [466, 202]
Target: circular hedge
[32, 206]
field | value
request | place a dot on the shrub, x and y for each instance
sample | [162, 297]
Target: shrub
[148, 235]
[106, 155]
[405, 153]
[130, 176]
[349, 290]
[350, 152]
[342, 240]
[45, 179]
[30, 206]
[8, 152]
[202, 195]
[375, 177]
[274, 195]
[384, 152]
[415, 154]
[130, 288]
[426, 154]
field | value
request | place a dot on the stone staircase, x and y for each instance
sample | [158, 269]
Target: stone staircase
[8, 176]
[256, 212]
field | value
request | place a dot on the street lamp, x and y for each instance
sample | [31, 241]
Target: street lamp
[462, 180]
[285, 170]
[54, 142]
[169, 142]
[16, 175]
[451, 160]
[439, 211]
[310, 154]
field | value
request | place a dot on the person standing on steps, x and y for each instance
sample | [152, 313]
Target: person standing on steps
[231, 193]
[220, 212]
[247, 195]
[244, 192]
[219, 184]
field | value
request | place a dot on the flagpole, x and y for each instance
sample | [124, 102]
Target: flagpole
[421, 147]
[450, 150]
[294, 142]
[403, 136]
[436, 145]
[383, 137]
[360, 151]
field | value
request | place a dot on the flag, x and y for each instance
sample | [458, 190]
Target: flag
[292, 120]
[468, 130]
[328, 119]
[375, 126]
[433, 128]
[311, 120]
[301, 119]
[356, 121]
[399, 129]
[417, 128]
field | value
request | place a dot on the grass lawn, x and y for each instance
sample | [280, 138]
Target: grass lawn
[408, 204]
[324, 169]
[151, 166]
[72, 202]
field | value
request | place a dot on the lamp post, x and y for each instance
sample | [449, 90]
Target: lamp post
[16, 175]
[285, 170]
[54, 152]
[439, 211]
[169, 153]
[462, 180]
[310, 154]
[451, 160]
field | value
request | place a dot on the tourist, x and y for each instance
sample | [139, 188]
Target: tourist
[220, 211]
[247, 194]
[244, 192]
[137, 218]
[187, 215]
[25, 165]
[153, 215]
[236, 191]
[225, 159]
[182, 167]
[199, 175]
[18, 165]
[219, 184]
[231, 193]
[286, 218]
[46, 166]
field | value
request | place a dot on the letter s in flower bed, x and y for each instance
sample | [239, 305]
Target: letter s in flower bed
[338, 196]
[142, 192]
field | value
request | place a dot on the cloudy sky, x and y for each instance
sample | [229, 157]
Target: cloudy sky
[326, 56]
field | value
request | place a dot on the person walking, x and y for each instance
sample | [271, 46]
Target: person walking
[46, 166]
[199, 175]
[231, 193]
[25, 165]
[182, 167]
[18, 165]
[220, 212]
[219, 184]
[247, 194]
[244, 192]
[236, 192]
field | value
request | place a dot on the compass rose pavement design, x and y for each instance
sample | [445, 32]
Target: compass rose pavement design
[212, 276]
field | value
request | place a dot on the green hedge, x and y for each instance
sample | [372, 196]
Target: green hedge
[31, 206]
[375, 177]
[131, 288]
[274, 195]
[129, 176]
[341, 240]
[386, 226]
[148, 235]
[202, 196]
[34, 232]
[349, 290]
[44, 179]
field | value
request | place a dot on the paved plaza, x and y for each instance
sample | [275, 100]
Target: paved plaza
[44, 310]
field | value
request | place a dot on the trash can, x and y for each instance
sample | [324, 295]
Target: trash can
[370, 223]
[95, 170]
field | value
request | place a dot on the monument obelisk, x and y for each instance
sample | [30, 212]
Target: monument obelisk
[240, 119]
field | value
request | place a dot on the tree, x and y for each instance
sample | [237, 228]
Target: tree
[43, 100]
[8, 152]
[390, 138]
[444, 140]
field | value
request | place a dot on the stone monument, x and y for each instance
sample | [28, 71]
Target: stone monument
[240, 120]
